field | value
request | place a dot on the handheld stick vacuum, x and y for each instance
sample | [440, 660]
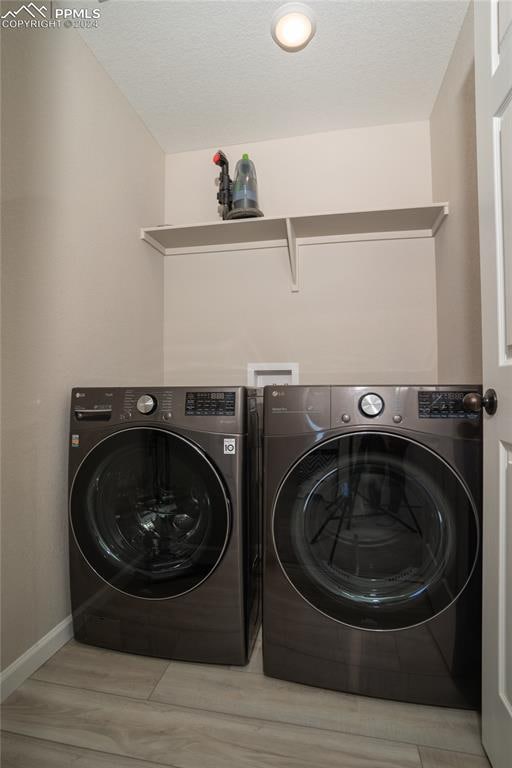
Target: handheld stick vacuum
[237, 199]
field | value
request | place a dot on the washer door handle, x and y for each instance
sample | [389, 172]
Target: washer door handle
[473, 402]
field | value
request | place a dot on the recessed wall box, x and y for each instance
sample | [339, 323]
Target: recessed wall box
[263, 374]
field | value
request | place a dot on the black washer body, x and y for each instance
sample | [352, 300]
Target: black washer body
[164, 553]
[372, 577]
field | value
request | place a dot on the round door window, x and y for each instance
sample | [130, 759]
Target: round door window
[149, 513]
[375, 531]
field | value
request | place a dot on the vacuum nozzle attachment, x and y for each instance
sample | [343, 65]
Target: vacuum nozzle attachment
[220, 158]
[225, 184]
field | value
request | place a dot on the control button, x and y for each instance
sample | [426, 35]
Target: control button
[371, 405]
[129, 414]
[345, 418]
[397, 419]
[167, 416]
[146, 404]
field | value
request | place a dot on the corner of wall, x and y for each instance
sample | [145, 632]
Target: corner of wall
[454, 179]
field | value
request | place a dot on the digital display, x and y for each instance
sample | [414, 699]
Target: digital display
[210, 403]
[442, 405]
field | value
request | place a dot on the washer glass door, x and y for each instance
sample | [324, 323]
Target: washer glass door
[375, 531]
[149, 513]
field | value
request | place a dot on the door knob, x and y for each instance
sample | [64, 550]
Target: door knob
[473, 402]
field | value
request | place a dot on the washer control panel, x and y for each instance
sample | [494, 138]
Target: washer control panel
[443, 405]
[210, 403]
[371, 405]
[215, 410]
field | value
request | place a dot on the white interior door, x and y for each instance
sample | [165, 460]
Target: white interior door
[493, 72]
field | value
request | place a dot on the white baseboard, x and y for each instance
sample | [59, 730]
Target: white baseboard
[26, 664]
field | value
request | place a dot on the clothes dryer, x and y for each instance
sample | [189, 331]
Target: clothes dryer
[372, 577]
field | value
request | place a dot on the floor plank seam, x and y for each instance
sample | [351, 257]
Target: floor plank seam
[139, 700]
[158, 681]
[90, 690]
[182, 707]
[91, 749]
[454, 751]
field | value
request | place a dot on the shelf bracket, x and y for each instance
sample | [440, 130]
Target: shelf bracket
[293, 255]
[443, 213]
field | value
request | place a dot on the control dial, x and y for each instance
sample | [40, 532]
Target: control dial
[146, 404]
[371, 405]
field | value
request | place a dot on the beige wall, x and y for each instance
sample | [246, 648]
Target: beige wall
[82, 295]
[365, 312]
[454, 178]
[378, 167]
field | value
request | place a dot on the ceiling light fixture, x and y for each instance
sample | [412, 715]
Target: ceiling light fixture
[293, 26]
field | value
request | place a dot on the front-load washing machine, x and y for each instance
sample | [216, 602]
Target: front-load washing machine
[163, 541]
[372, 578]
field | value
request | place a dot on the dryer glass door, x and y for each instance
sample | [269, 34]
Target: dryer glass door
[375, 531]
[149, 513]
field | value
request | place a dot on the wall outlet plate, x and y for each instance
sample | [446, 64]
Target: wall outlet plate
[263, 374]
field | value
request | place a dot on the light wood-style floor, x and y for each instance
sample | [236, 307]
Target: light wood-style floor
[92, 708]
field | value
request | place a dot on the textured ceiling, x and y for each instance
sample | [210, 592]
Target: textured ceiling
[208, 73]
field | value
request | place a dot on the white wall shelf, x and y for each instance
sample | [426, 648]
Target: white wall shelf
[296, 231]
